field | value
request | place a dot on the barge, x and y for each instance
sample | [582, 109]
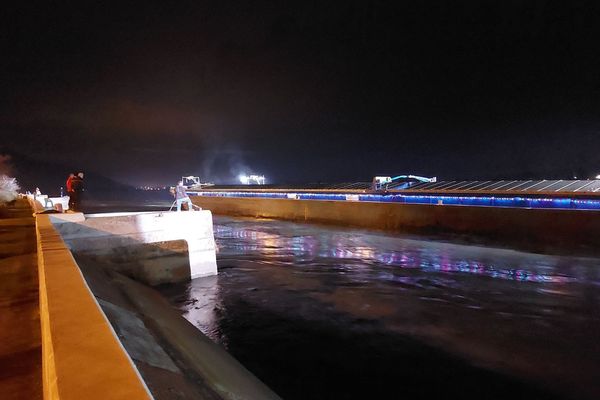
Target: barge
[541, 214]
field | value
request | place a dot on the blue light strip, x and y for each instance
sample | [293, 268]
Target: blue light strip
[563, 203]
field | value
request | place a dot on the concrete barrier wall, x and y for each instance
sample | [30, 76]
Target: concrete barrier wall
[81, 355]
[44, 202]
[126, 235]
[537, 227]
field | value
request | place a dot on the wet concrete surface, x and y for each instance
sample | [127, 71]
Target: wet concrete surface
[318, 312]
[20, 341]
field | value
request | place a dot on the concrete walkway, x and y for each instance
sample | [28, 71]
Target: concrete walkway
[20, 343]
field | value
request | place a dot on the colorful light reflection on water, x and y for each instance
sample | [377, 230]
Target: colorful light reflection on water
[289, 287]
[407, 253]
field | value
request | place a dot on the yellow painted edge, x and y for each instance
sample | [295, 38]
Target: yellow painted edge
[81, 354]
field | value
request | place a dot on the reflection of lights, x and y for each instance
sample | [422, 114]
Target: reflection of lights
[355, 254]
[200, 304]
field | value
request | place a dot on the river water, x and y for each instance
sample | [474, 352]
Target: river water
[335, 313]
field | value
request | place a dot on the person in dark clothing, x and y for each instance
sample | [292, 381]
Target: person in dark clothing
[75, 194]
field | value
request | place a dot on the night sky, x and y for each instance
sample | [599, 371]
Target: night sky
[304, 91]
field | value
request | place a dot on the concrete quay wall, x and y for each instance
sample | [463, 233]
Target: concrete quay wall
[81, 354]
[538, 228]
[107, 336]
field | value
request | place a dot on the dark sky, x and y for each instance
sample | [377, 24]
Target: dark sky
[304, 91]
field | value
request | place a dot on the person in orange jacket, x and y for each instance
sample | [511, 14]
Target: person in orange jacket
[69, 186]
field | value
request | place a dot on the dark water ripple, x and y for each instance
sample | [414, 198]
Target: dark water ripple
[326, 313]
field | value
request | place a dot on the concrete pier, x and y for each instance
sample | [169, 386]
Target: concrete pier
[93, 328]
[107, 336]
[163, 247]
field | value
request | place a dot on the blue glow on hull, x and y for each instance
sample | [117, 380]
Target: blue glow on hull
[561, 203]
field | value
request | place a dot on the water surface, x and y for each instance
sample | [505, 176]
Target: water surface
[324, 313]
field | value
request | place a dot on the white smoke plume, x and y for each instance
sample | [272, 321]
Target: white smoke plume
[8, 186]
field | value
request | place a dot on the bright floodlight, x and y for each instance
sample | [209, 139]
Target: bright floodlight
[597, 176]
[252, 179]
[244, 179]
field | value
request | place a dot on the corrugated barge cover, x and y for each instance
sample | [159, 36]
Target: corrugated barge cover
[552, 194]
[524, 187]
